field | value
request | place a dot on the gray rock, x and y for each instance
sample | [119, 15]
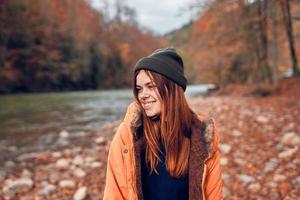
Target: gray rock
[254, 187]
[27, 156]
[26, 173]
[64, 134]
[62, 163]
[225, 176]
[79, 173]
[100, 140]
[13, 186]
[56, 154]
[9, 164]
[291, 139]
[226, 192]
[96, 164]
[262, 119]
[224, 161]
[240, 161]
[236, 133]
[12, 148]
[54, 177]
[279, 177]
[67, 184]
[271, 184]
[288, 153]
[245, 178]
[296, 182]
[80, 194]
[78, 160]
[270, 165]
[225, 148]
[47, 190]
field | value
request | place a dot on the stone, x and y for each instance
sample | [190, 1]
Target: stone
[62, 163]
[27, 156]
[296, 182]
[64, 134]
[67, 184]
[79, 173]
[80, 194]
[225, 176]
[224, 161]
[270, 165]
[291, 139]
[239, 161]
[236, 133]
[96, 164]
[56, 154]
[47, 190]
[2, 175]
[10, 164]
[13, 186]
[78, 160]
[262, 119]
[26, 173]
[288, 153]
[254, 187]
[12, 148]
[245, 178]
[226, 192]
[279, 177]
[225, 148]
[100, 140]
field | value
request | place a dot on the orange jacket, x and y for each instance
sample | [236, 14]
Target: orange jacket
[123, 178]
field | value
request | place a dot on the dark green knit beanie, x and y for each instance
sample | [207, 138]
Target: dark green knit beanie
[166, 62]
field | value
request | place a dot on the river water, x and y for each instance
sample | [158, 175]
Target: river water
[29, 118]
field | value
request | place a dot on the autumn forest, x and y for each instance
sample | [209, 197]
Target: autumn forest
[63, 45]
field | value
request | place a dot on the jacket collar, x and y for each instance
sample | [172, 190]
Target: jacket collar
[200, 151]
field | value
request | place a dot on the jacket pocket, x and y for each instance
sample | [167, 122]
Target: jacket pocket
[127, 152]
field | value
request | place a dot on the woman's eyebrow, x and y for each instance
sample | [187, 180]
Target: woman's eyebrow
[146, 84]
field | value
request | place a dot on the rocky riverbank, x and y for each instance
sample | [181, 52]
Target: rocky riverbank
[259, 141]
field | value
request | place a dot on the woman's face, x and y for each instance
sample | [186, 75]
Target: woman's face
[148, 94]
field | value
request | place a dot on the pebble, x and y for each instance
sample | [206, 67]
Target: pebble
[12, 186]
[262, 119]
[47, 190]
[291, 139]
[27, 156]
[270, 165]
[80, 194]
[12, 148]
[224, 161]
[245, 178]
[279, 177]
[100, 140]
[225, 148]
[239, 161]
[254, 187]
[9, 164]
[56, 154]
[236, 133]
[62, 163]
[287, 153]
[2, 175]
[225, 176]
[96, 164]
[78, 160]
[79, 173]
[296, 182]
[64, 134]
[226, 192]
[67, 184]
[26, 173]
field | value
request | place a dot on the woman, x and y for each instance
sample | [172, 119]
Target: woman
[162, 149]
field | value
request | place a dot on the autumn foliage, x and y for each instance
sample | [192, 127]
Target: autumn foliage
[66, 45]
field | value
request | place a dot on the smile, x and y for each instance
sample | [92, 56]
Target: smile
[148, 104]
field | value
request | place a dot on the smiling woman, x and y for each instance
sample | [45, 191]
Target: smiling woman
[162, 149]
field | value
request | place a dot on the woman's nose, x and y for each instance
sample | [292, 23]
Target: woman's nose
[144, 94]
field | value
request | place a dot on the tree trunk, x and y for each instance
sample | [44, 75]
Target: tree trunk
[287, 20]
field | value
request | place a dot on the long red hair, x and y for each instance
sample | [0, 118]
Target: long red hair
[173, 127]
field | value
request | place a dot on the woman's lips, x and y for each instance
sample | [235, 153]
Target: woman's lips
[148, 105]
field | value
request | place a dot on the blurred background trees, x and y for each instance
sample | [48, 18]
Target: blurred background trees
[68, 45]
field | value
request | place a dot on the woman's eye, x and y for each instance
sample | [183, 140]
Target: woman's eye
[151, 87]
[138, 90]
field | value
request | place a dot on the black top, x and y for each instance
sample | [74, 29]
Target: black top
[162, 186]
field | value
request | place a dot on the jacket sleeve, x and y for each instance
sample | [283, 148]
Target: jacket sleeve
[213, 184]
[115, 185]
